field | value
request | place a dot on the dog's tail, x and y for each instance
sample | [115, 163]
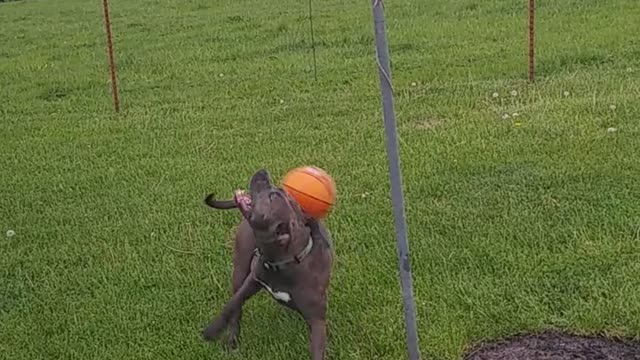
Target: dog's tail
[219, 204]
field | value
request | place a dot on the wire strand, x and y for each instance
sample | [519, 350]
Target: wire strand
[313, 42]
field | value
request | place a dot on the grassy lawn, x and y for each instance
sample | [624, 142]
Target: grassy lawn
[523, 209]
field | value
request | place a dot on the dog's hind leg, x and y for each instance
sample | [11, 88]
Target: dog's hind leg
[242, 258]
[314, 311]
[249, 288]
[318, 338]
[241, 271]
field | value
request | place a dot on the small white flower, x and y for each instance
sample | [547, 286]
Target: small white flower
[10, 233]
[414, 84]
[514, 92]
[221, 75]
[566, 93]
[612, 130]
[505, 116]
[612, 107]
[281, 101]
[495, 94]
[515, 114]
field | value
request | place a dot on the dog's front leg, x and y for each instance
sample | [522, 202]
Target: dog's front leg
[318, 328]
[249, 288]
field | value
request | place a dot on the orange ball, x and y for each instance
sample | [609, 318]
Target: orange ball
[312, 188]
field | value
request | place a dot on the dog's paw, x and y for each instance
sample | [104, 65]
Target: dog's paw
[210, 334]
[213, 331]
[207, 336]
[231, 342]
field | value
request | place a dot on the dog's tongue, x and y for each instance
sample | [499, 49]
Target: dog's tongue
[243, 200]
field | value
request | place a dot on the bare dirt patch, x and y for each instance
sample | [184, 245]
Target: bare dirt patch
[428, 123]
[556, 346]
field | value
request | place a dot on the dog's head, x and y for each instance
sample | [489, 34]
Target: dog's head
[274, 216]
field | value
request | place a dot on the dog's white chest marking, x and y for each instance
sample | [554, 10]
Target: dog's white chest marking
[278, 295]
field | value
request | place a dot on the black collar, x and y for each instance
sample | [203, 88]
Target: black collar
[282, 264]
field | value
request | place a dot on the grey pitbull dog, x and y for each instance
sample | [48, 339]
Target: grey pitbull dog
[280, 249]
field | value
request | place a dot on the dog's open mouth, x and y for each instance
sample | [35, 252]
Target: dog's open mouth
[243, 200]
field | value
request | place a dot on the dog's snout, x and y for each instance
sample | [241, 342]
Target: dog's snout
[262, 175]
[260, 181]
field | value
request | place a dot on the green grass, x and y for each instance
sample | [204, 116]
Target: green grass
[515, 224]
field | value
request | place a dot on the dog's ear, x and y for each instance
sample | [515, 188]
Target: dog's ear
[317, 232]
[260, 181]
[283, 234]
[312, 224]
